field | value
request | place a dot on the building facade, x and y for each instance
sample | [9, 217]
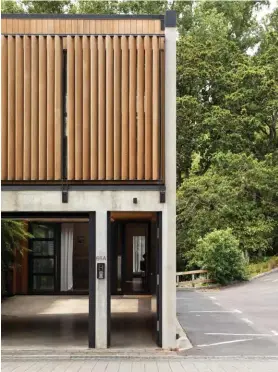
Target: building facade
[89, 159]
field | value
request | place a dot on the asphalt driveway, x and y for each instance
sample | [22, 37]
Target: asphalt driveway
[236, 321]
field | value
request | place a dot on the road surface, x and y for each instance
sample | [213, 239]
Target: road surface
[236, 321]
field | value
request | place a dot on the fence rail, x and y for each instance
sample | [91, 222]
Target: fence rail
[193, 274]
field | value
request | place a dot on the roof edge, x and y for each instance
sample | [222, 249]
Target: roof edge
[82, 16]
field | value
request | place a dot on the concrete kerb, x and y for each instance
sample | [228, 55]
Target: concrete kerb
[183, 342]
[86, 354]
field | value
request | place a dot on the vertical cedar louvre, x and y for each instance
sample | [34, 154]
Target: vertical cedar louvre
[11, 108]
[27, 109]
[117, 108]
[155, 110]
[58, 102]
[86, 108]
[4, 108]
[140, 110]
[148, 109]
[132, 109]
[19, 84]
[42, 107]
[78, 108]
[71, 108]
[94, 109]
[115, 94]
[50, 107]
[109, 110]
[34, 108]
[31, 108]
[124, 124]
[101, 108]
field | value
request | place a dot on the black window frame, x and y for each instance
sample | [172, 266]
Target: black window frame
[56, 256]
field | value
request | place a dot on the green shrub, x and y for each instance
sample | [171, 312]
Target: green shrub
[266, 264]
[219, 253]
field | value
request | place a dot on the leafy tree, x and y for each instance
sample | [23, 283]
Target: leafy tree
[13, 234]
[11, 6]
[48, 7]
[237, 192]
[219, 253]
[94, 7]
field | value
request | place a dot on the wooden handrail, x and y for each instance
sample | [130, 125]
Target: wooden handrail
[191, 272]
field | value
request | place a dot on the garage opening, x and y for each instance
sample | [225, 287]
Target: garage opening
[50, 308]
[133, 309]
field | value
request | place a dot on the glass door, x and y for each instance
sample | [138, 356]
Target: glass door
[135, 258]
[43, 258]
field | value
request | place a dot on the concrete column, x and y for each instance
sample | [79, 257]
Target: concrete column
[169, 217]
[101, 284]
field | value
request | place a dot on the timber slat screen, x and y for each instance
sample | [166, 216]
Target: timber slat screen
[80, 26]
[114, 108]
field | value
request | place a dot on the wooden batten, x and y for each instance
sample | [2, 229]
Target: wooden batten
[125, 117]
[81, 26]
[94, 109]
[4, 108]
[101, 108]
[50, 142]
[117, 108]
[132, 109]
[155, 111]
[19, 84]
[86, 108]
[34, 108]
[11, 108]
[140, 109]
[78, 108]
[71, 107]
[109, 110]
[42, 108]
[148, 109]
[58, 102]
[114, 119]
[27, 109]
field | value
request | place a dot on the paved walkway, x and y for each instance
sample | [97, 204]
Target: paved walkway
[186, 365]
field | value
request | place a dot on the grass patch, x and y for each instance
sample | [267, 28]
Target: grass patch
[267, 264]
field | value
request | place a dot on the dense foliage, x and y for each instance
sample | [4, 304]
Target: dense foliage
[13, 234]
[227, 128]
[219, 253]
[227, 105]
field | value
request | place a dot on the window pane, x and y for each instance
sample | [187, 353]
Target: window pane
[42, 231]
[139, 262]
[43, 248]
[43, 265]
[43, 283]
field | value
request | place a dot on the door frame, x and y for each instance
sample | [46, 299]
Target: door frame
[148, 246]
[159, 281]
[159, 267]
